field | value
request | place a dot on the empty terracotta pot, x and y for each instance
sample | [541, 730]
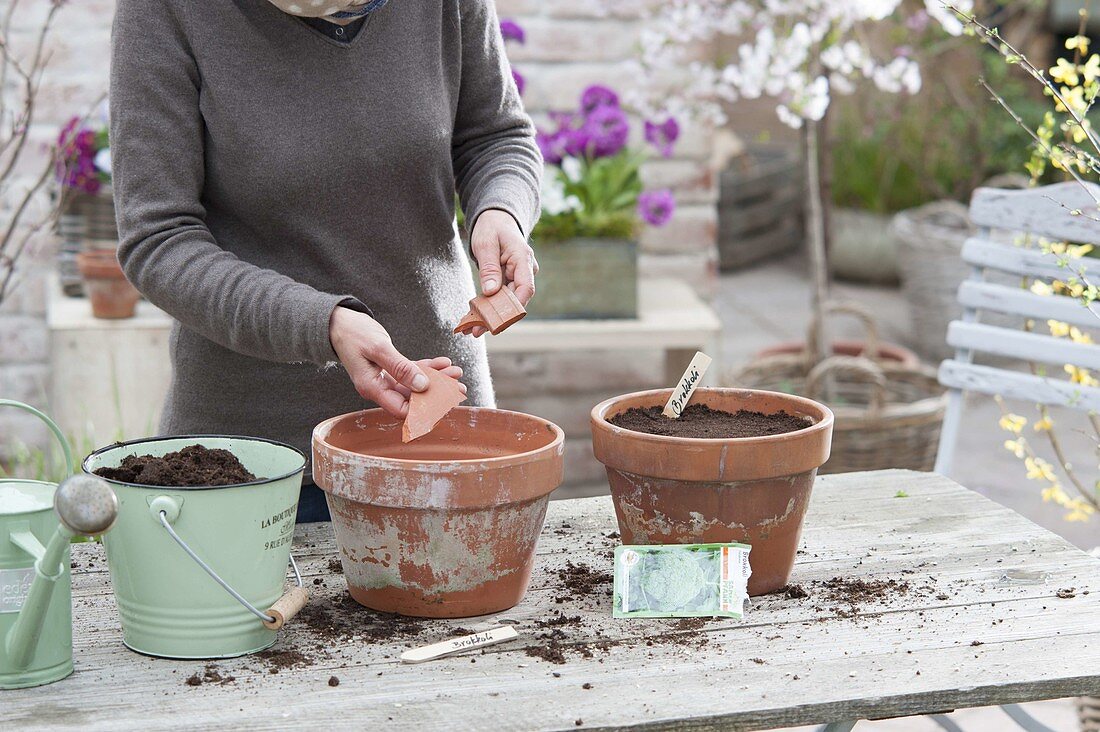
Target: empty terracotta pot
[444, 526]
[111, 294]
[676, 490]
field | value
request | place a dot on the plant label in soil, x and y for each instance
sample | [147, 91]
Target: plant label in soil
[681, 580]
[462, 643]
[681, 395]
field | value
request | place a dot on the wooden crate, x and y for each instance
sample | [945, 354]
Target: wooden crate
[760, 206]
[592, 279]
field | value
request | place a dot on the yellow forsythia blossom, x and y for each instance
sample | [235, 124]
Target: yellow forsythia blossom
[1058, 329]
[1080, 376]
[1039, 469]
[1013, 423]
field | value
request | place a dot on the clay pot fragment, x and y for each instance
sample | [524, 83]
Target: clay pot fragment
[427, 407]
[111, 294]
[494, 313]
[444, 526]
[677, 490]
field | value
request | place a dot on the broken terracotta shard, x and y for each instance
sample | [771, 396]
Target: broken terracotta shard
[494, 313]
[427, 407]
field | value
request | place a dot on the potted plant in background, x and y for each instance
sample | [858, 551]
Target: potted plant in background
[593, 205]
[87, 218]
[86, 210]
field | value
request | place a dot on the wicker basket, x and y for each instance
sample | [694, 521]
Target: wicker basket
[930, 240]
[887, 415]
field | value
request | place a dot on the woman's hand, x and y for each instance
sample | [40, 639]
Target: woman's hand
[380, 373]
[503, 256]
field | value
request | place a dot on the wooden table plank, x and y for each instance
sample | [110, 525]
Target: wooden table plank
[978, 572]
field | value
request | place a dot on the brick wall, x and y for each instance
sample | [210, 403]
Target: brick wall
[76, 77]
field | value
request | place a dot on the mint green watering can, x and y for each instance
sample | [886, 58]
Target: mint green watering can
[37, 522]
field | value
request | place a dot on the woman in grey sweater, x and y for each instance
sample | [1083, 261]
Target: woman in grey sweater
[285, 175]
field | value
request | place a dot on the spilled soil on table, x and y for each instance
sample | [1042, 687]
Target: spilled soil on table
[700, 421]
[194, 465]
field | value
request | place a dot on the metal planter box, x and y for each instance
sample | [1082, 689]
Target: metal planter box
[593, 279]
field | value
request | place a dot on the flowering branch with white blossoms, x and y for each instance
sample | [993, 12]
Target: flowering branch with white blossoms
[797, 52]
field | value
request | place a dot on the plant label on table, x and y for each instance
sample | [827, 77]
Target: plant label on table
[463, 643]
[681, 395]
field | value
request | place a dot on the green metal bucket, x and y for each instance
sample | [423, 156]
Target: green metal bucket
[173, 606]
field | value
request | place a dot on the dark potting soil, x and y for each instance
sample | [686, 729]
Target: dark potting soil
[194, 465]
[581, 580]
[699, 420]
[284, 659]
[211, 674]
[343, 619]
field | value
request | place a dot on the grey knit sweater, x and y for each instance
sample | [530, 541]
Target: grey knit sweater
[265, 173]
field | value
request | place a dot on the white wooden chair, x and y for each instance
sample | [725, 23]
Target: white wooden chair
[1061, 212]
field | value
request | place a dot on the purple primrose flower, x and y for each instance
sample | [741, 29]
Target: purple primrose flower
[656, 207]
[597, 96]
[604, 132]
[662, 136]
[520, 81]
[512, 31]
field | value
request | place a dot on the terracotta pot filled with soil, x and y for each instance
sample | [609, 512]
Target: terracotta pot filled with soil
[444, 526]
[737, 466]
[111, 294]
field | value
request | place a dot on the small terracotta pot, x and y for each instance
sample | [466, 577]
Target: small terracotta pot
[676, 490]
[444, 526]
[111, 294]
[887, 352]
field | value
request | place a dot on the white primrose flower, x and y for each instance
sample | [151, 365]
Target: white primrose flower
[572, 168]
[554, 200]
[102, 160]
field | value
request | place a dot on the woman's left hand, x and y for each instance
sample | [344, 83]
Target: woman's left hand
[504, 257]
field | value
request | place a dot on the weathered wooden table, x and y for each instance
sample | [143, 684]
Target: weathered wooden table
[984, 608]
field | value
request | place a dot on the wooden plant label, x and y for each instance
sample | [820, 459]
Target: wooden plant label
[681, 395]
[463, 643]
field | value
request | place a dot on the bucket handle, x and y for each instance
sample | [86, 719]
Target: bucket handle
[283, 610]
[66, 451]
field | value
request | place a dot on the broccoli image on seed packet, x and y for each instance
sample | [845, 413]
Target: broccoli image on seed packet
[681, 580]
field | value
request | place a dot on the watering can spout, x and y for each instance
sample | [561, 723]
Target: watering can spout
[86, 506]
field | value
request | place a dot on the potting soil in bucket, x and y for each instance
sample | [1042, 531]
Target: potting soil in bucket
[446, 525]
[169, 605]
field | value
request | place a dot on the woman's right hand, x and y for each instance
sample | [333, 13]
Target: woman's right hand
[378, 371]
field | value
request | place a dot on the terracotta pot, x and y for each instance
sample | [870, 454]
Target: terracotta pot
[111, 294]
[444, 526]
[675, 490]
[887, 352]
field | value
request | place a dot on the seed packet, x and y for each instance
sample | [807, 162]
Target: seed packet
[681, 580]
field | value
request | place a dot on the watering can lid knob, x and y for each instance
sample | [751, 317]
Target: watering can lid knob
[86, 504]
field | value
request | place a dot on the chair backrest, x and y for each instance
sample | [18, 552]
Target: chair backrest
[1062, 212]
